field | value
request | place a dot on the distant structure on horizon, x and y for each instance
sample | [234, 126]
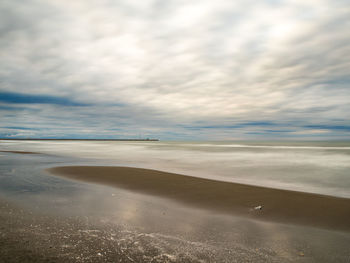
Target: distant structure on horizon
[58, 139]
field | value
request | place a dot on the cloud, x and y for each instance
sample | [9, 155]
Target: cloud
[18, 128]
[175, 68]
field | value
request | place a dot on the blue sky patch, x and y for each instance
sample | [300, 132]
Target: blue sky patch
[22, 98]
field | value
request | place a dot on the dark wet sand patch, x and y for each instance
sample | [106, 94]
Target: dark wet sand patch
[232, 198]
[19, 152]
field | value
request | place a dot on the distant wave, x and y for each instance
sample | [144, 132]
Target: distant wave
[272, 146]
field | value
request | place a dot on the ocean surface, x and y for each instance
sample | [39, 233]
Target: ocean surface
[318, 167]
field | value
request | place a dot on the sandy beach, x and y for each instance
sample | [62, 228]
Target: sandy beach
[223, 197]
[62, 209]
[37, 237]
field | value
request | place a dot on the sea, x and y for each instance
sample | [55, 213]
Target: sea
[316, 167]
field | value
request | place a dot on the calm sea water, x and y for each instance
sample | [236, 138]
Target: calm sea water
[319, 167]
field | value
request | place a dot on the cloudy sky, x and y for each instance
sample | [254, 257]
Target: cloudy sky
[175, 69]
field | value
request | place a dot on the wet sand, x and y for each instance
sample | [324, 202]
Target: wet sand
[221, 197]
[37, 237]
[19, 152]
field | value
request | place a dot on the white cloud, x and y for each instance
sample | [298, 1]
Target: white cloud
[180, 62]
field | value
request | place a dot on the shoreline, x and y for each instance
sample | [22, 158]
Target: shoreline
[277, 205]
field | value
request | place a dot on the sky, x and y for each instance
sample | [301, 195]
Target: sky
[175, 69]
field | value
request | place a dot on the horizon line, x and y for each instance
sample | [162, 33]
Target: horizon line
[76, 139]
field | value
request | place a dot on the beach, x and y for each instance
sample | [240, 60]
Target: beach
[36, 237]
[147, 202]
[246, 200]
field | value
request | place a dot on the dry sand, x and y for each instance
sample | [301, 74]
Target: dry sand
[221, 197]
